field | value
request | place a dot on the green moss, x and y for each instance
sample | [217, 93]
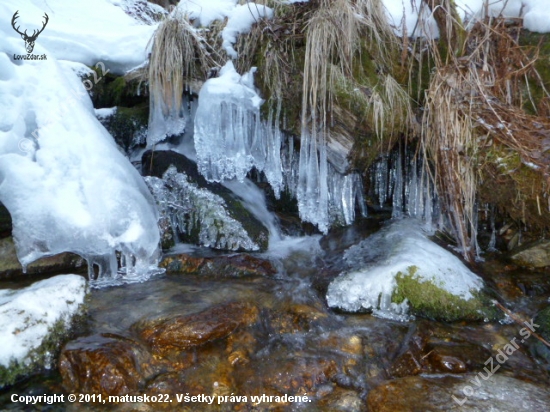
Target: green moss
[431, 301]
[543, 319]
[128, 126]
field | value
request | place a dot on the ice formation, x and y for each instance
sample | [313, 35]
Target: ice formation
[374, 263]
[400, 179]
[229, 136]
[26, 315]
[190, 208]
[64, 181]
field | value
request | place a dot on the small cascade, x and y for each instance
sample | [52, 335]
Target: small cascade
[231, 139]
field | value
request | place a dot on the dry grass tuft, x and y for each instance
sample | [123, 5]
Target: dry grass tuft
[476, 102]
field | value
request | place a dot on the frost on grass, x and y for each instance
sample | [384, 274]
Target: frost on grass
[385, 265]
[33, 320]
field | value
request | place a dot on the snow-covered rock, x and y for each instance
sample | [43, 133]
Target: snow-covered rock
[34, 320]
[62, 178]
[398, 269]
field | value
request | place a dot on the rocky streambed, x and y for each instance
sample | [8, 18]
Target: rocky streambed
[252, 332]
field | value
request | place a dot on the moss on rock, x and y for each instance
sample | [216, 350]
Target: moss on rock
[432, 301]
[543, 320]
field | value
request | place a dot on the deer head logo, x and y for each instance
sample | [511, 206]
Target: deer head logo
[29, 40]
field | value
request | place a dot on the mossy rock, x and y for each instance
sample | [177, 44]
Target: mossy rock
[543, 320]
[128, 126]
[428, 300]
[155, 163]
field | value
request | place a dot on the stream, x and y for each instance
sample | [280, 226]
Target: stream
[287, 342]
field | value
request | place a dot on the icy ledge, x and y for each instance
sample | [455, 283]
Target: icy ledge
[33, 320]
[385, 266]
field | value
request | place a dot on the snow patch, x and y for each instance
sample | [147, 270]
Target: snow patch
[27, 315]
[240, 22]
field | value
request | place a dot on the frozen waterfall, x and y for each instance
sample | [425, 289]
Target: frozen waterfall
[231, 139]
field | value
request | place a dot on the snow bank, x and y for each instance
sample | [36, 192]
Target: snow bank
[64, 181]
[240, 22]
[240, 17]
[85, 31]
[403, 14]
[375, 262]
[205, 12]
[28, 315]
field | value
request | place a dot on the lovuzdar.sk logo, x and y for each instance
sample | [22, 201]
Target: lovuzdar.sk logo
[29, 39]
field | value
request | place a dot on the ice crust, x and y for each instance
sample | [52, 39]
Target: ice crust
[26, 315]
[63, 179]
[189, 208]
[373, 264]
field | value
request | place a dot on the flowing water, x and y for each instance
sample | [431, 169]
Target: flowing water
[298, 346]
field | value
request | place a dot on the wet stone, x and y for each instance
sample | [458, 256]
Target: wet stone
[220, 266]
[342, 400]
[463, 393]
[177, 333]
[105, 364]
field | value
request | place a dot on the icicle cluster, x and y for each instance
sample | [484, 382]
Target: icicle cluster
[193, 209]
[230, 138]
[401, 179]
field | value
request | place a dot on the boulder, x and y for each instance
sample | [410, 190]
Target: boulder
[229, 221]
[535, 254]
[175, 334]
[106, 364]
[399, 271]
[35, 321]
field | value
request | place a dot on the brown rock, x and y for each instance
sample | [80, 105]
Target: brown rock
[535, 254]
[105, 364]
[178, 333]
[219, 266]
[10, 266]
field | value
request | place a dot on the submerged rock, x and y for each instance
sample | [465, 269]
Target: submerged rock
[464, 393]
[200, 212]
[10, 266]
[219, 266]
[178, 333]
[105, 364]
[535, 254]
[399, 269]
[34, 321]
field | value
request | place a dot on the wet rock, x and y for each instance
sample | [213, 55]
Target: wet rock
[105, 364]
[464, 393]
[343, 400]
[219, 266]
[5, 222]
[10, 266]
[35, 321]
[127, 125]
[178, 333]
[535, 254]
[158, 162]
